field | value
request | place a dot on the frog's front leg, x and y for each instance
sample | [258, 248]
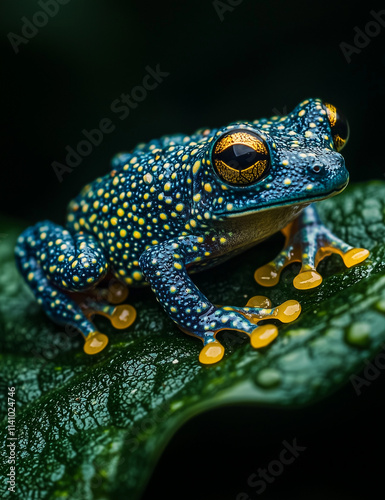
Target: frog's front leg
[165, 267]
[308, 241]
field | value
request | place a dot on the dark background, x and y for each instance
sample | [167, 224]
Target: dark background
[261, 59]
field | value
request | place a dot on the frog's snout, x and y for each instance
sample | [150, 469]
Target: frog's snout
[330, 171]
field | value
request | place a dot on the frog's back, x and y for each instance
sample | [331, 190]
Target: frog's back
[161, 146]
[144, 202]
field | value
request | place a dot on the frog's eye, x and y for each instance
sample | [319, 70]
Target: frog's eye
[241, 157]
[339, 126]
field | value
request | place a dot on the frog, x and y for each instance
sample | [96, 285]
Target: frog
[182, 204]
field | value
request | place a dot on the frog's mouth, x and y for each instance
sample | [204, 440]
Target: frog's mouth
[301, 202]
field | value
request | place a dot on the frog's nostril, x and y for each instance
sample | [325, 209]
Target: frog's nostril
[316, 168]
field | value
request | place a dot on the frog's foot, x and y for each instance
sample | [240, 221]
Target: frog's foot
[244, 319]
[308, 241]
[121, 316]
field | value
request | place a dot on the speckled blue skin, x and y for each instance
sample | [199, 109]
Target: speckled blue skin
[163, 211]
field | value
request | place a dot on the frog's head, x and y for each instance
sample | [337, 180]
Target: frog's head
[290, 160]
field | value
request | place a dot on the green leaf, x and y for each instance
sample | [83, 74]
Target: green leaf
[93, 427]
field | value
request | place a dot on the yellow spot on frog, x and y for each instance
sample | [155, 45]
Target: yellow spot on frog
[147, 178]
[196, 166]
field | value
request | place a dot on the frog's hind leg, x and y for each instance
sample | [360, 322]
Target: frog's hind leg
[55, 262]
[308, 241]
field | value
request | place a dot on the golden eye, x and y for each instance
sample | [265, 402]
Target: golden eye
[339, 126]
[241, 157]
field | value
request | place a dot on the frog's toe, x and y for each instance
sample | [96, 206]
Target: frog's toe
[259, 308]
[307, 279]
[95, 342]
[355, 256]
[263, 336]
[212, 352]
[259, 301]
[121, 316]
[269, 274]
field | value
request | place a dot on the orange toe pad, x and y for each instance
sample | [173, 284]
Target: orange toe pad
[211, 353]
[95, 342]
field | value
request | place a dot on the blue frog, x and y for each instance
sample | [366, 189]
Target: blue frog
[180, 204]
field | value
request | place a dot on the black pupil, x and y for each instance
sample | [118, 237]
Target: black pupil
[341, 126]
[240, 156]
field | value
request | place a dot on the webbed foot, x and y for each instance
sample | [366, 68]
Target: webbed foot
[121, 316]
[245, 320]
[308, 241]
